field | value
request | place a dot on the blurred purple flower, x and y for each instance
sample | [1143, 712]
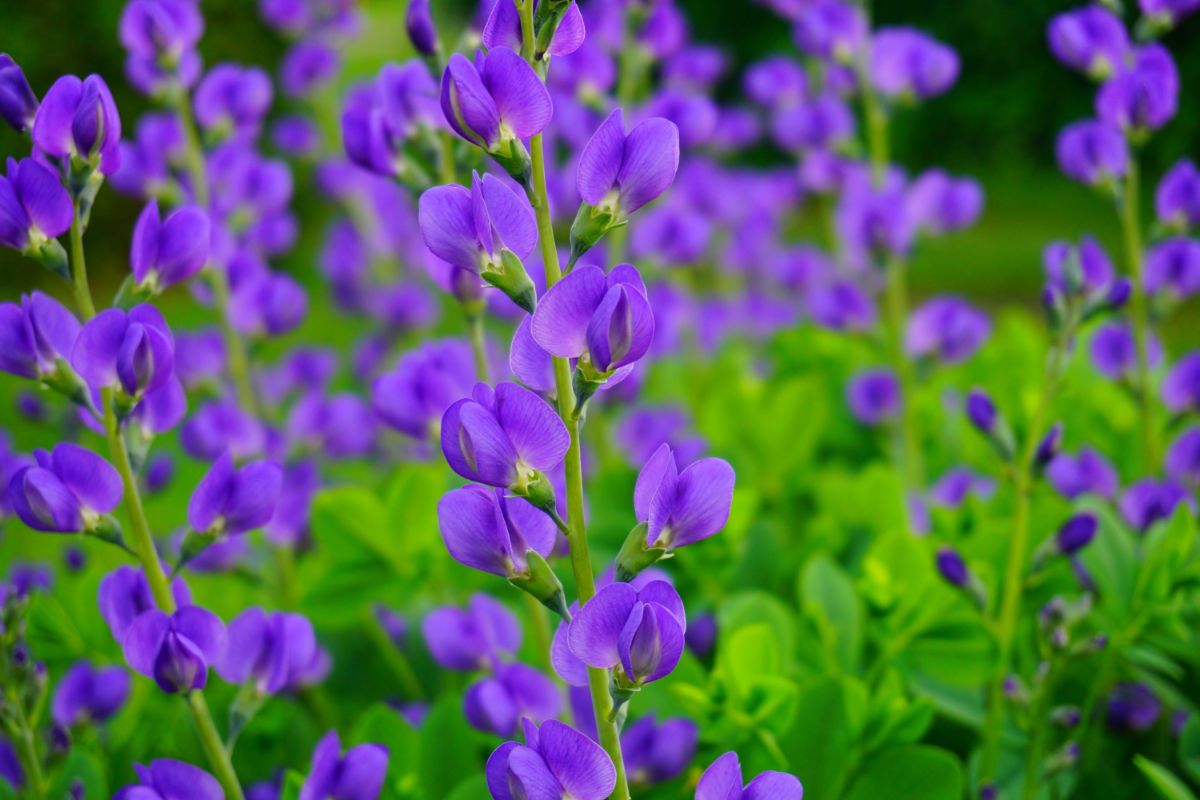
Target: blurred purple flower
[86, 694]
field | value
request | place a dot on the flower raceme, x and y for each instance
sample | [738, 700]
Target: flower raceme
[556, 761]
[486, 230]
[619, 173]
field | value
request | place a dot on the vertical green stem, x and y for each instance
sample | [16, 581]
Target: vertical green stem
[896, 310]
[448, 169]
[142, 540]
[1131, 231]
[581, 561]
[27, 754]
[478, 344]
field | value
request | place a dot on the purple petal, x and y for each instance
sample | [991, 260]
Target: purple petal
[253, 496]
[532, 365]
[503, 27]
[531, 525]
[532, 777]
[521, 97]
[183, 244]
[649, 163]
[467, 103]
[536, 431]
[650, 478]
[211, 494]
[362, 772]
[596, 629]
[664, 594]
[490, 707]
[52, 125]
[475, 445]
[172, 779]
[92, 479]
[473, 529]
[580, 765]
[565, 663]
[600, 160]
[447, 226]
[323, 773]
[621, 329]
[45, 200]
[144, 639]
[94, 355]
[500, 629]
[537, 696]
[246, 635]
[560, 322]
[204, 629]
[43, 501]
[774, 786]
[702, 501]
[143, 252]
[722, 780]
[497, 771]
[511, 215]
[570, 34]
[55, 329]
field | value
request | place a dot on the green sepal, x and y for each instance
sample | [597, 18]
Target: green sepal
[108, 530]
[52, 256]
[621, 693]
[512, 279]
[540, 580]
[66, 381]
[245, 706]
[512, 155]
[636, 556]
[590, 225]
[194, 543]
[539, 491]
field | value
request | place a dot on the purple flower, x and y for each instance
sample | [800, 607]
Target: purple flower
[231, 500]
[78, 118]
[1076, 533]
[821, 123]
[682, 507]
[1147, 501]
[604, 320]
[1086, 267]
[480, 230]
[946, 327]
[274, 651]
[503, 29]
[10, 765]
[356, 775]
[232, 99]
[271, 304]
[34, 335]
[655, 752]
[132, 351]
[906, 63]
[1181, 388]
[701, 634]
[938, 202]
[34, 206]
[288, 526]
[219, 426]
[497, 703]
[555, 761]
[166, 252]
[487, 530]
[474, 638]
[175, 650]
[18, 103]
[418, 23]
[67, 491]
[644, 428]
[1183, 458]
[641, 631]
[952, 567]
[1090, 39]
[955, 484]
[872, 220]
[200, 358]
[1177, 199]
[840, 305]
[1166, 13]
[1085, 473]
[1092, 152]
[503, 437]
[723, 781]
[380, 118]
[125, 595]
[1143, 96]
[496, 101]
[1133, 707]
[160, 37]
[167, 779]
[87, 694]
[830, 29]
[1114, 351]
[341, 426]
[775, 81]
[873, 396]
[1173, 267]
[413, 397]
[306, 67]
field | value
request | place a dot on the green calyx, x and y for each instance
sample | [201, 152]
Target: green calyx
[540, 581]
[636, 556]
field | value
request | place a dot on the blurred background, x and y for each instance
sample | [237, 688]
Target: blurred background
[998, 124]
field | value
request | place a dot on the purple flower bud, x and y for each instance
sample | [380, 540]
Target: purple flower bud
[906, 63]
[939, 202]
[125, 596]
[776, 81]
[306, 67]
[131, 351]
[67, 491]
[1066, 716]
[874, 396]
[503, 29]
[723, 780]
[166, 779]
[273, 651]
[701, 634]
[231, 501]
[1114, 351]
[1181, 388]
[516, 692]
[34, 335]
[830, 29]
[655, 752]
[1086, 473]
[413, 397]
[474, 638]
[356, 775]
[418, 22]
[981, 411]
[605, 319]
[487, 530]
[1173, 267]
[497, 99]
[1183, 458]
[175, 650]
[1085, 268]
[682, 507]
[78, 118]
[946, 327]
[25, 579]
[34, 206]
[956, 484]
[621, 172]
[18, 103]
[1144, 96]
[1049, 446]
[166, 252]
[86, 694]
[1091, 39]
[502, 437]
[1133, 707]
[1177, 199]
[232, 99]
[952, 567]
[1092, 152]
[1148, 501]
[642, 631]
[555, 761]
[74, 559]
[1076, 533]
[469, 228]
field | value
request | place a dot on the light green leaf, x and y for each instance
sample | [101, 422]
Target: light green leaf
[828, 597]
[910, 772]
[1166, 783]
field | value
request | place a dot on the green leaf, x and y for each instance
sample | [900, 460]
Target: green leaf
[82, 767]
[747, 654]
[828, 598]
[819, 743]
[758, 608]
[910, 772]
[470, 789]
[1166, 783]
[449, 748]
[1189, 747]
[381, 724]
[293, 782]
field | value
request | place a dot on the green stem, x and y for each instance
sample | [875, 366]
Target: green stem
[478, 344]
[1131, 232]
[83, 293]
[31, 763]
[1014, 568]
[396, 659]
[449, 171]
[540, 620]
[896, 309]
[214, 748]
